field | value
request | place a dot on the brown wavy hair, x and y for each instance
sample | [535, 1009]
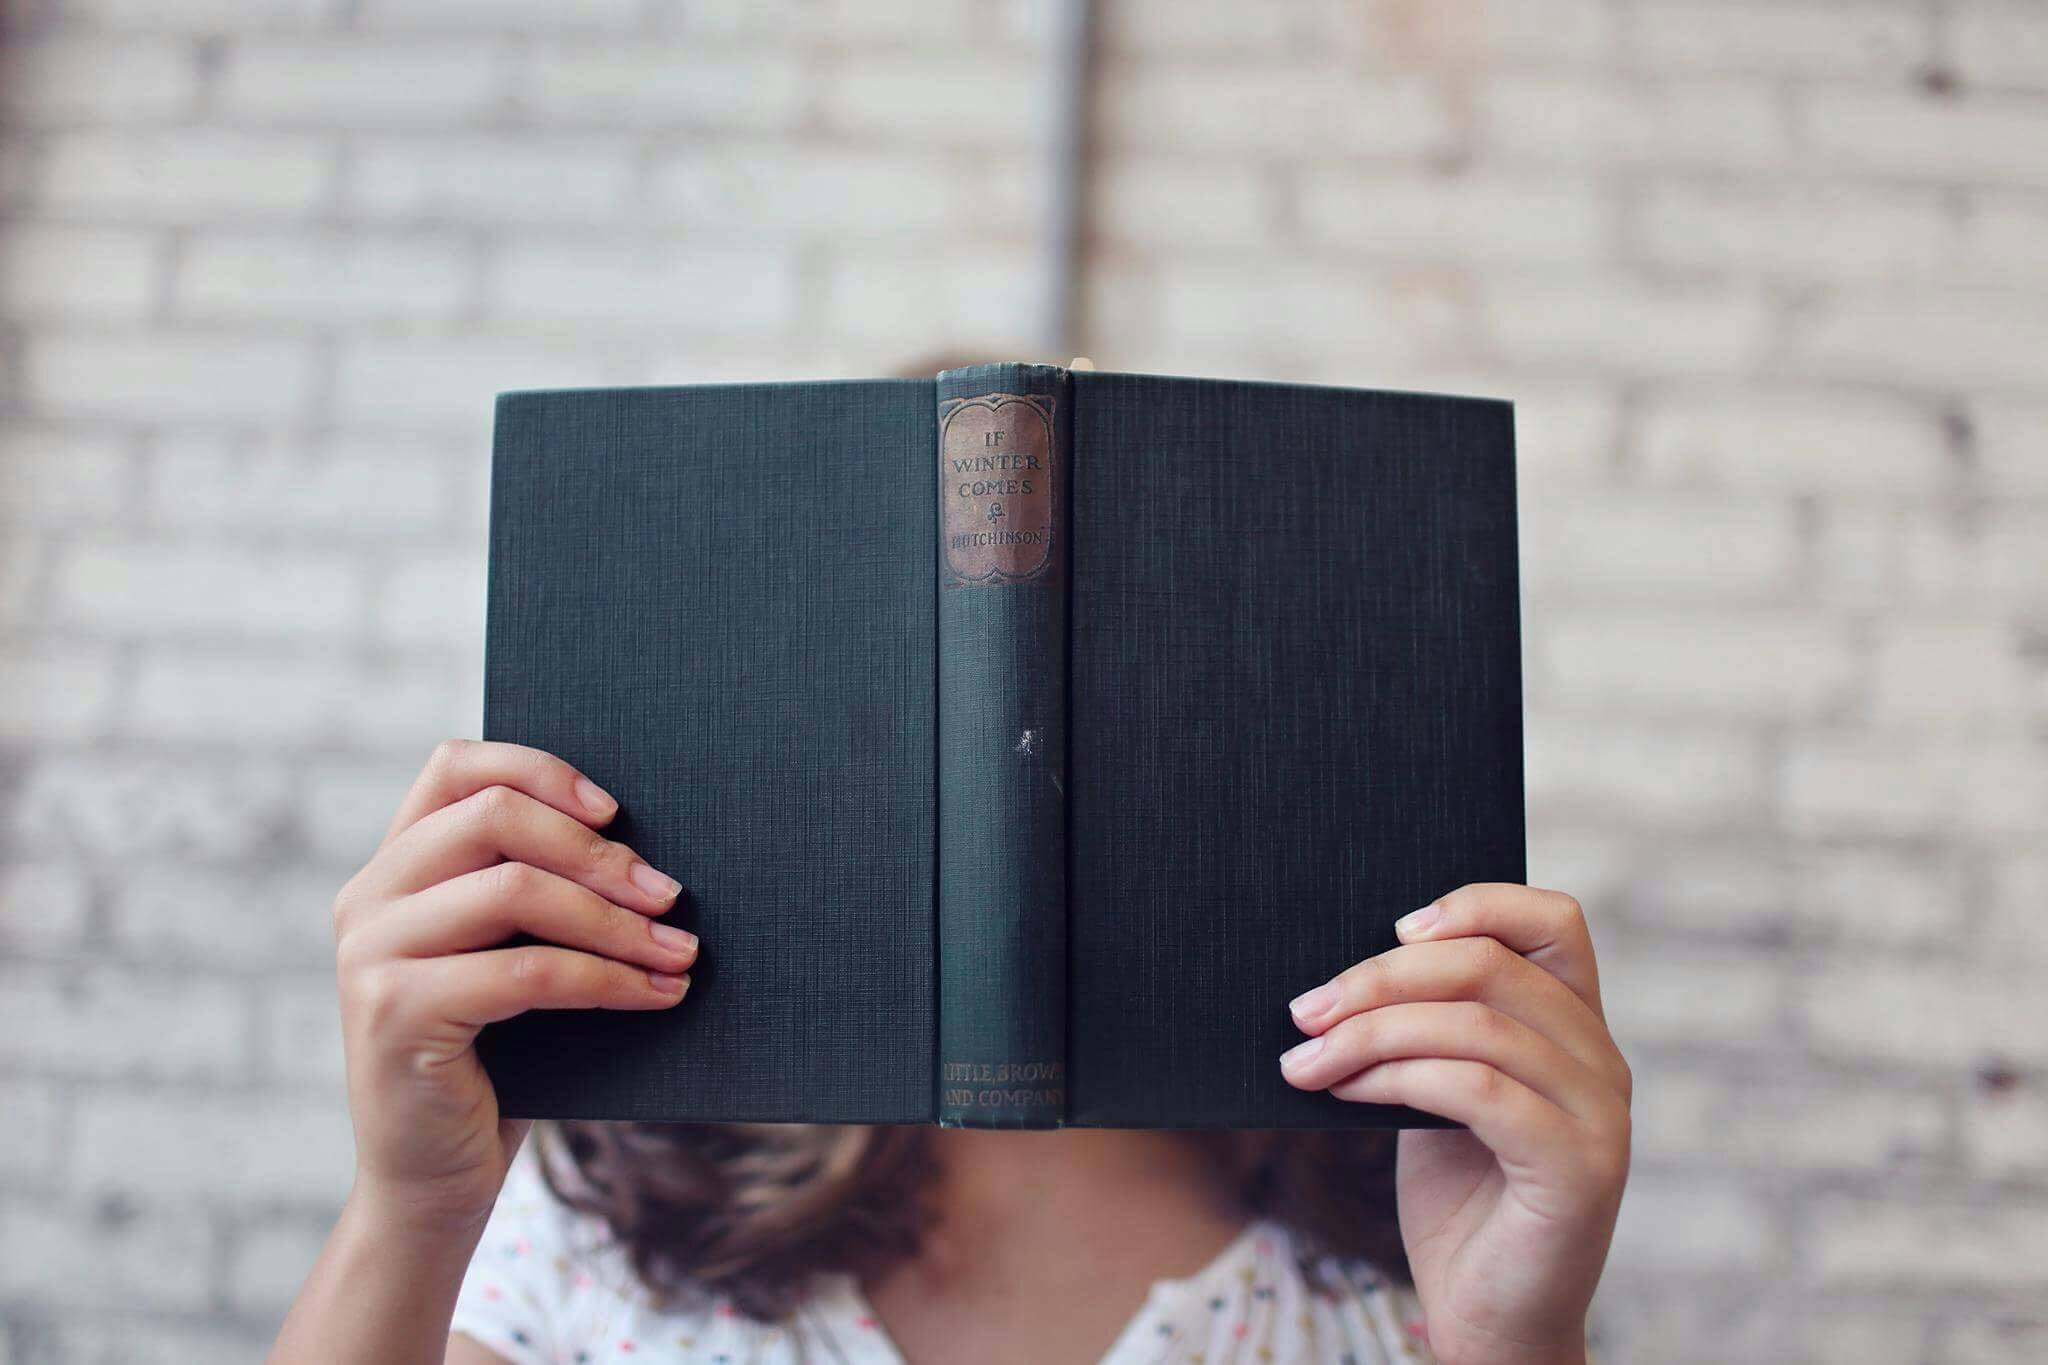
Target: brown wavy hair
[752, 1211]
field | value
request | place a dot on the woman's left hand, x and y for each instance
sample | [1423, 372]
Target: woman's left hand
[1488, 1014]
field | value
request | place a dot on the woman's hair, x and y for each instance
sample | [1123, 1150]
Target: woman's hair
[752, 1211]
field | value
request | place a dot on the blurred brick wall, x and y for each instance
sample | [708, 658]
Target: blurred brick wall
[1767, 280]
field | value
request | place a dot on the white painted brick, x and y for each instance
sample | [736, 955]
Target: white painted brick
[43, 905]
[1270, 108]
[2006, 1134]
[1658, 548]
[2017, 926]
[640, 84]
[774, 191]
[1163, 27]
[239, 696]
[1460, 217]
[2002, 44]
[1169, 202]
[1975, 337]
[167, 376]
[1564, 431]
[91, 273]
[203, 914]
[151, 588]
[1623, 324]
[929, 22]
[1456, 40]
[1691, 1226]
[202, 16]
[492, 178]
[301, 1032]
[1857, 784]
[1638, 1318]
[1786, 1125]
[1856, 557]
[1973, 138]
[1588, 120]
[979, 299]
[31, 1140]
[1724, 888]
[1854, 1328]
[1792, 36]
[907, 100]
[348, 806]
[2011, 445]
[1993, 1340]
[56, 693]
[455, 382]
[93, 80]
[106, 808]
[269, 1264]
[87, 1258]
[678, 287]
[1664, 661]
[499, 16]
[373, 486]
[1295, 307]
[249, 1148]
[434, 599]
[22, 571]
[1860, 894]
[1887, 1240]
[1799, 232]
[101, 1339]
[1660, 774]
[354, 82]
[1957, 673]
[109, 1023]
[1997, 557]
[1923, 1012]
[1741, 436]
[268, 276]
[1661, 997]
[1999, 237]
[185, 175]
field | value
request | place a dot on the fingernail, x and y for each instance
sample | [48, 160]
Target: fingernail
[1312, 1005]
[1416, 921]
[668, 936]
[1300, 1053]
[654, 883]
[668, 985]
[595, 799]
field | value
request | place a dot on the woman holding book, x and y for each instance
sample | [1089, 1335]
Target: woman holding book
[463, 1241]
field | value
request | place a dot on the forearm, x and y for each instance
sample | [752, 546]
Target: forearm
[383, 1290]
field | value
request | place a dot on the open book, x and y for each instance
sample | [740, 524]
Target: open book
[1024, 739]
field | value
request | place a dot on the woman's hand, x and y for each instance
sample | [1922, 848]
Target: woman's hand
[1488, 1014]
[493, 840]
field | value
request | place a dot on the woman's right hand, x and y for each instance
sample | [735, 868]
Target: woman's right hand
[493, 840]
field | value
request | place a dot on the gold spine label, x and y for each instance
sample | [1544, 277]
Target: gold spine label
[996, 488]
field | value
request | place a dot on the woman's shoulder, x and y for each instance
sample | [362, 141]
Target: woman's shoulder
[1280, 1290]
[549, 1283]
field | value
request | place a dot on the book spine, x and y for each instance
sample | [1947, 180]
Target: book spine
[1003, 545]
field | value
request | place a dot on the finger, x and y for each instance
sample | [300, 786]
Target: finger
[460, 768]
[1462, 1029]
[499, 824]
[484, 908]
[1547, 927]
[474, 989]
[1526, 1132]
[1481, 969]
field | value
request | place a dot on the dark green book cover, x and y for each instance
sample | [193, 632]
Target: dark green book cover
[1024, 739]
